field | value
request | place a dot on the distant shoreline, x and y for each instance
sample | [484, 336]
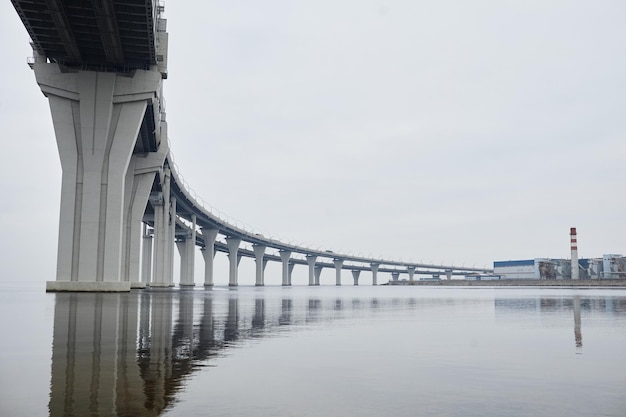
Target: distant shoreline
[566, 283]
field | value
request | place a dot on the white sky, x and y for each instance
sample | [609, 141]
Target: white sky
[452, 131]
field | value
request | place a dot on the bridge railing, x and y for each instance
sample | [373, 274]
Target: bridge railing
[279, 242]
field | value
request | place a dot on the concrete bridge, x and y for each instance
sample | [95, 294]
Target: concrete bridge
[124, 205]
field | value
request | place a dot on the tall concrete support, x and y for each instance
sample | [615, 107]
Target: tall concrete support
[259, 256]
[448, 274]
[186, 248]
[233, 257]
[208, 253]
[311, 259]
[181, 245]
[172, 236]
[355, 276]
[395, 276]
[285, 256]
[140, 176]
[146, 256]
[338, 265]
[291, 266]
[96, 118]
[162, 239]
[137, 191]
[374, 268]
[318, 273]
[191, 252]
[411, 271]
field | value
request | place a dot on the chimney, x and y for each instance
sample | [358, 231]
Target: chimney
[574, 247]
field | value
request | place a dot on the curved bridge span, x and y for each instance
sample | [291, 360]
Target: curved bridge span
[124, 205]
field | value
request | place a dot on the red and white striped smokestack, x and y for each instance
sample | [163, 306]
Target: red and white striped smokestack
[574, 247]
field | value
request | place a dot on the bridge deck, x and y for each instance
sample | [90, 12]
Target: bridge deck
[105, 34]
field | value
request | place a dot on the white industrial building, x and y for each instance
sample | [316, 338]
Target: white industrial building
[612, 266]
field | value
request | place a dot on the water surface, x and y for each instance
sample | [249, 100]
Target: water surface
[322, 351]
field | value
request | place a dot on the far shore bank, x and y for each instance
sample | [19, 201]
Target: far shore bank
[621, 283]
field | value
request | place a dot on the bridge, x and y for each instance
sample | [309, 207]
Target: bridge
[124, 205]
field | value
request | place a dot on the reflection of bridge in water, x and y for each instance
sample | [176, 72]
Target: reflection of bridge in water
[131, 353]
[128, 354]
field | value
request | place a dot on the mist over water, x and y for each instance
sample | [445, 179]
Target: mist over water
[321, 351]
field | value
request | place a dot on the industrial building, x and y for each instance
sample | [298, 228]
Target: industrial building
[611, 266]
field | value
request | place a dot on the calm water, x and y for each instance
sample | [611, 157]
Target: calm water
[323, 351]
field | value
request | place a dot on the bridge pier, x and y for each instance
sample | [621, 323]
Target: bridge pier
[355, 276]
[395, 276]
[284, 257]
[448, 274]
[311, 261]
[318, 273]
[96, 118]
[234, 258]
[259, 256]
[140, 177]
[208, 253]
[171, 242]
[146, 256]
[186, 249]
[374, 267]
[291, 266]
[161, 202]
[338, 265]
[411, 271]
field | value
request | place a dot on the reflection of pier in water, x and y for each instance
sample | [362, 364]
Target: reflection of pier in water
[129, 354]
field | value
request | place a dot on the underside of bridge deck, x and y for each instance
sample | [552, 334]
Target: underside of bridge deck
[92, 34]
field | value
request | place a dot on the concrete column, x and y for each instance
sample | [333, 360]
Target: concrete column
[96, 118]
[355, 276]
[259, 256]
[291, 266]
[338, 264]
[186, 249]
[136, 192]
[285, 256]
[374, 268]
[395, 276]
[191, 254]
[318, 273]
[233, 256]
[140, 176]
[411, 271]
[311, 261]
[146, 256]
[181, 245]
[172, 237]
[162, 241]
[208, 253]
[448, 274]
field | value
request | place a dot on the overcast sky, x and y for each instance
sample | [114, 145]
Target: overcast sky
[453, 131]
